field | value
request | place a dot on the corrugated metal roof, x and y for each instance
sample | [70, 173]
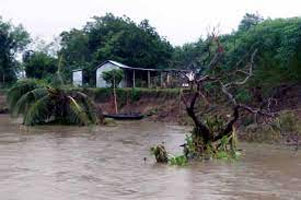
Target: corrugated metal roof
[118, 64]
[76, 70]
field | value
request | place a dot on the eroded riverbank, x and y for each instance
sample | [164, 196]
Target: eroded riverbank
[55, 162]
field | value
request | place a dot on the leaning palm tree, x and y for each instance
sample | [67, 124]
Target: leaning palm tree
[42, 103]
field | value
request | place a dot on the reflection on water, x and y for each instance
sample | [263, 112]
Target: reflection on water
[107, 163]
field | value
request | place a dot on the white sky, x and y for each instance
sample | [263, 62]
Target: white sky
[180, 21]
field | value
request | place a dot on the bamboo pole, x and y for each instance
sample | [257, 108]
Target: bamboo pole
[115, 98]
[134, 81]
[161, 79]
[148, 79]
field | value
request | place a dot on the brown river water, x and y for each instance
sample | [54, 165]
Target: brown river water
[56, 162]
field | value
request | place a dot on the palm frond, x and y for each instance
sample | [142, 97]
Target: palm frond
[43, 103]
[20, 88]
[39, 112]
[24, 103]
[77, 115]
[87, 104]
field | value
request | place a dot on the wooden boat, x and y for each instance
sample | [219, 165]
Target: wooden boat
[124, 116]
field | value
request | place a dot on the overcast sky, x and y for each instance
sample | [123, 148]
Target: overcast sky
[180, 21]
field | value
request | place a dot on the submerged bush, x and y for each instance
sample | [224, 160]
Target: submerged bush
[160, 153]
[223, 155]
[162, 156]
[194, 149]
[180, 160]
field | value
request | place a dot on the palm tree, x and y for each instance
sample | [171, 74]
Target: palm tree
[42, 103]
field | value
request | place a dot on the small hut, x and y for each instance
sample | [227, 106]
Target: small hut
[77, 77]
[140, 77]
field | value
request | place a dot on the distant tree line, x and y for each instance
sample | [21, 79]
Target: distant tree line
[139, 44]
[13, 40]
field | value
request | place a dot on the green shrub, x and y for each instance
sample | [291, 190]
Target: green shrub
[113, 76]
[285, 125]
[244, 96]
[180, 160]
[288, 122]
[135, 95]
[229, 156]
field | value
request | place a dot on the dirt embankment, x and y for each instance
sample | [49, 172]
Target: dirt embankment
[169, 108]
[166, 106]
[155, 108]
[285, 100]
[157, 105]
[3, 104]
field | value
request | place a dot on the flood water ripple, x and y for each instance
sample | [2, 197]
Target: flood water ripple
[58, 163]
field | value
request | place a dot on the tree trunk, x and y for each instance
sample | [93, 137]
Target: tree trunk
[115, 98]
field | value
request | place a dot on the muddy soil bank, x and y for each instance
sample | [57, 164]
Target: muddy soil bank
[154, 108]
[3, 104]
[166, 106]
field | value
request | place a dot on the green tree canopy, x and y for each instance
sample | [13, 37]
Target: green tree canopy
[278, 42]
[250, 20]
[39, 65]
[13, 40]
[115, 38]
[113, 77]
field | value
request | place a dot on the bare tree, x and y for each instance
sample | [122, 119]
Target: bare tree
[226, 83]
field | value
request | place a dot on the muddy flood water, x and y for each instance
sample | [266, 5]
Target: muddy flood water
[58, 163]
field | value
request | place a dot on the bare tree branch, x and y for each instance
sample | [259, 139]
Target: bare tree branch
[199, 80]
[249, 74]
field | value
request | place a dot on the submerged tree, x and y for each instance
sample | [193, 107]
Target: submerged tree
[214, 93]
[216, 86]
[41, 103]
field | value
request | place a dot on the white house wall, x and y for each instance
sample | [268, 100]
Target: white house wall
[77, 77]
[100, 82]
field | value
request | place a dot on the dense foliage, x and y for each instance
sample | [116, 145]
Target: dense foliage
[13, 39]
[115, 38]
[39, 65]
[278, 42]
[140, 45]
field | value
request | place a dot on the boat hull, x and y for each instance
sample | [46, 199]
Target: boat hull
[124, 117]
